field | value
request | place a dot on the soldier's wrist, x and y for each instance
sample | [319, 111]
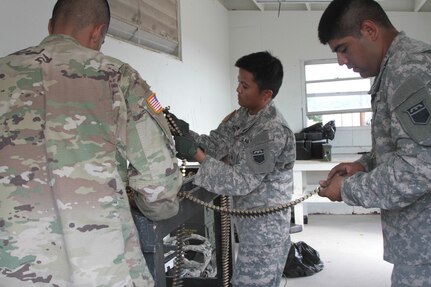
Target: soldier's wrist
[200, 155]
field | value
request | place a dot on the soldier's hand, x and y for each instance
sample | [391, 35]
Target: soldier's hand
[177, 126]
[345, 169]
[332, 188]
[186, 147]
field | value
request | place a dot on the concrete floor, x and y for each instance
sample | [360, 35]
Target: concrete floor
[351, 247]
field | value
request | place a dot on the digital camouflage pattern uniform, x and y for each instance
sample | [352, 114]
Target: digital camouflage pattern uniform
[260, 152]
[398, 171]
[70, 118]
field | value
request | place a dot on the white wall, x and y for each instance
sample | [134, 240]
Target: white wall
[292, 37]
[196, 87]
[201, 87]
[23, 23]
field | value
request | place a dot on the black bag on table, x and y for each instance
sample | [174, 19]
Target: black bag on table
[302, 261]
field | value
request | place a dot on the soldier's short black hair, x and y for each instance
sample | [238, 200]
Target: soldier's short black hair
[266, 69]
[81, 13]
[344, 18]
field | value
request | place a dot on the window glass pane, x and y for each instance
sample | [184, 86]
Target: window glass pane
[315, 72]
[362, 85]
[343, 120]
[338, 103]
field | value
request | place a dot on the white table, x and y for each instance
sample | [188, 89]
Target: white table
[301, 185]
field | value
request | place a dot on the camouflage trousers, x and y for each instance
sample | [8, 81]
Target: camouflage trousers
[411, 276]
[260, 265]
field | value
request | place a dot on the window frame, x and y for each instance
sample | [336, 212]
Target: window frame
[306, 96]
[120, 29]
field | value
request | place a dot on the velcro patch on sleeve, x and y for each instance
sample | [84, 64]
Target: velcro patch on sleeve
[414, 115]
[259, 158]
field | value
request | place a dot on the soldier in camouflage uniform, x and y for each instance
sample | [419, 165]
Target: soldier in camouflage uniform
[70, 119]
[396, 175]
[250, 157]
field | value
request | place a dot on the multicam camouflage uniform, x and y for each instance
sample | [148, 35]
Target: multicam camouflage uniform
[398, 177]
[70, 118]
[260, 152]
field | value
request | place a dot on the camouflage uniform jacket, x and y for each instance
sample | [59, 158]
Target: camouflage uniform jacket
[70, 119]
[261, 154]
[398, 177]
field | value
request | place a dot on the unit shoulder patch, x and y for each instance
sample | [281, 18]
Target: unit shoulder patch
[419, 113]
[414, 115]
[258, 155]
[259, 158]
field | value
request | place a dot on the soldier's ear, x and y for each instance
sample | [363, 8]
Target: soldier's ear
[97, 37]
[369, 29]
[50, 28]
[267, 94]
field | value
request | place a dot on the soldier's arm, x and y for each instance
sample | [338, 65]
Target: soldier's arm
[367, 161]
[406, 176]
[153, 169]
[216, 143]
[245, 173]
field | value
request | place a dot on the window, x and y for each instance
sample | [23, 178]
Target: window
[153, 24]
[334, 92]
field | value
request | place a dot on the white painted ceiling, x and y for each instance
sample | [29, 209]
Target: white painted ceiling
[320, 5]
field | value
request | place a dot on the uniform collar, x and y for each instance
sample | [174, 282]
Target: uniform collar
[59, 37]
[262, 113]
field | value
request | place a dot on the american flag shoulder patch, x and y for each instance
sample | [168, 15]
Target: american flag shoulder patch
[154, 104]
